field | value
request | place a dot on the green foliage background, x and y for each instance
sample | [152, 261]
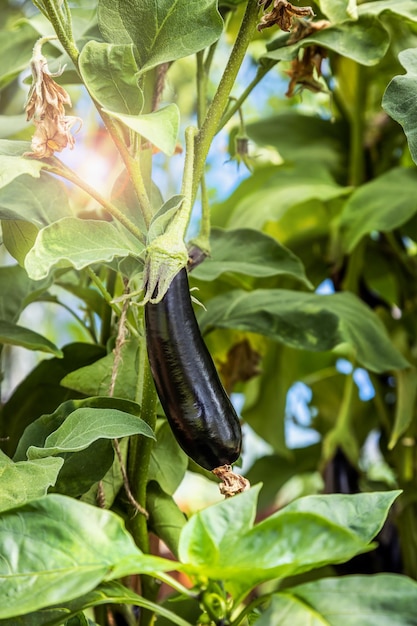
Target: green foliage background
[328, 199]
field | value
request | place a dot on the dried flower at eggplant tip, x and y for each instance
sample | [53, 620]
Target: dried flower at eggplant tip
[281, 14]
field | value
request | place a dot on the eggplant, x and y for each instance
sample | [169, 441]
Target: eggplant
[197, 407]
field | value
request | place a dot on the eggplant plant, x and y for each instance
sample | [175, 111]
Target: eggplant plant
[255, 157]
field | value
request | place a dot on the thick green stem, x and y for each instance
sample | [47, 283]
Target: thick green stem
[357, 128]
[140, 449]
[63, 30]
[221, 97]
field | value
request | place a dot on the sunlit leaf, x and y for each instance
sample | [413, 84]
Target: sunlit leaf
[403, 8]
[159, 127]
[339, 10]
[72, 242]
[18, 237]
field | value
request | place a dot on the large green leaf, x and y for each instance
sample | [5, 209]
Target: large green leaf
[18, 238]
[168, 462]
[383, 599]
[110, 74]
[88, 424]
[61, 548]
[273, 190]
[365, 41]
[159, 127]
[25, 480]
[37, 200]
[307, 321]
[162, 30]
[250, 252]
[221, 542]
[78, 243]
[290, 131]
[400, 95]
[16, 335]
[380, 205]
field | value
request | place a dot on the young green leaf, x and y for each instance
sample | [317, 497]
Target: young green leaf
[85, 425]
[159, 127]
[110, 75]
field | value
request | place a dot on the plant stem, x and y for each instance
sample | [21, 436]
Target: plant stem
[63, 31]
[221, 97]
[357, 127]
[140, 449]
[70, 175]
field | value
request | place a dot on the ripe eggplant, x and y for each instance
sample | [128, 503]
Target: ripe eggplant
[197, 407]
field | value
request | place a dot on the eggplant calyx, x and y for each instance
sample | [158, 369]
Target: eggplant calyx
[232, 483]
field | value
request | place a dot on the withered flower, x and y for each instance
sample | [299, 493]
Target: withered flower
[302, 70]
[281, 14]
[303, 28]
[46, 106]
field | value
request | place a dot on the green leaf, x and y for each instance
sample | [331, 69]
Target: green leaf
[365, 41]
[78, 243]
[383, 599]
[220, 541]
[106, 593]
[15, 335]
[94, 379]
[380, 205]
[16, 291]
[13, 166]
[339, 10]
[250, 252]
[307, 321]
[159, 127]
[290, 131]
[85, 425]
[39, 201]
[26, 480]
[61, 548]
[406, 402]
[165, 518]
[272, 191]
[399, 98]
[403, 8]
[18, 238]
[16, 43]
[168, 462]
[110, 74]
[40, 392]
[162, 30]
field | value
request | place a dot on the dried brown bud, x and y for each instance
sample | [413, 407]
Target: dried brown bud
[282, 14]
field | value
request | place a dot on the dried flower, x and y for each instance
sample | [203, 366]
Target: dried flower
[281, 14]
[46, 106]
[302, 70]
